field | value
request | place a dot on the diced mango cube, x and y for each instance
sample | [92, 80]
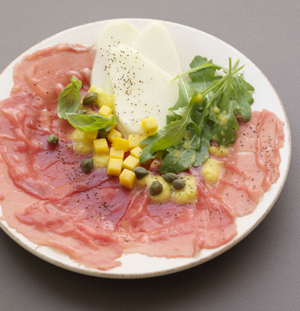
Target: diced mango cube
[149, 126]
[134, 140]
[136, 152]
[127, 179]
[131, 163]
[104, 111]
[120, 143]
[114, 167]
[142, 137]
[112, 134]
[90, 135]
[117, 154]
[101, 146]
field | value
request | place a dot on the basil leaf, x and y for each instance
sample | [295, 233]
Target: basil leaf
[89, 123]
[69, 99]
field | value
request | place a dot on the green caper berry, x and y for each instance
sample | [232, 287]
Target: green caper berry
[178, 184]
[102, 133]
[169, 177]
[140, 172]
[52, 139]
[156, 188]
[90, 98]
[87, 165]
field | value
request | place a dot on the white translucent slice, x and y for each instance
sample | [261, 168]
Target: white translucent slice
[110, 36]
[157, 45]
[141, 89]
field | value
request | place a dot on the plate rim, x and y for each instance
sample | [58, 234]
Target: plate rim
[106, 274]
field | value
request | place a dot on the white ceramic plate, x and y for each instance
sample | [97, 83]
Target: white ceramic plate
[189, 42]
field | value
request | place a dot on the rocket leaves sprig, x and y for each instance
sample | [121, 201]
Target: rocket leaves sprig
[206, 110]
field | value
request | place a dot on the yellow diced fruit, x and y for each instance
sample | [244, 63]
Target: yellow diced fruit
[142, 137]
[100, 160]
[136, 152]
[131, 163]
[101, 146]
[90, 135]
[112, 134]
[114, 167]
[134, 140]
[127, 178]
[105, 111]
[117, 154]
[149, 126]
[120, 143]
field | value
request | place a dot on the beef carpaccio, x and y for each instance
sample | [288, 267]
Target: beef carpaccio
[47, 198]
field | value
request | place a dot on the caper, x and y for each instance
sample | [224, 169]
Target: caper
[90, 98]
[82, 111]
[169, 177]
[140, 172]
[87, 165]
[52, 139]
[156, 188]
[102, 133]
[178, 184]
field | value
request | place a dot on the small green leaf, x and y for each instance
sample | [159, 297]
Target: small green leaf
[243, 96]
[204, 77]
[178, 160]
[89, 123]
[202, 153]
[171, 135]
[185, 94]
[69, 99]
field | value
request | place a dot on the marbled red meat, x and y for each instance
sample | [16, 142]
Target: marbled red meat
[47, 198]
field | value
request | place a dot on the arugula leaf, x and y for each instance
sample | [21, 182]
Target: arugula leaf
[243, 97]
[191, 139]
[203, 78]
[224, 132]
[202, 153]
[185, 94]
[69, 99]
[89, 123]
[178, 160]
[148, 142]
[205, 110]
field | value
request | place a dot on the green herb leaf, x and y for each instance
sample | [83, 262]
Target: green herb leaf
[178, 160]
[205, 76]
[148, 142]
[224, 132]
[69, 99]
[185, 94]
[202, 153]
[243, 96]
[89, 123]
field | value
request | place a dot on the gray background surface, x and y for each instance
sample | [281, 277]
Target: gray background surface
[260, 273]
